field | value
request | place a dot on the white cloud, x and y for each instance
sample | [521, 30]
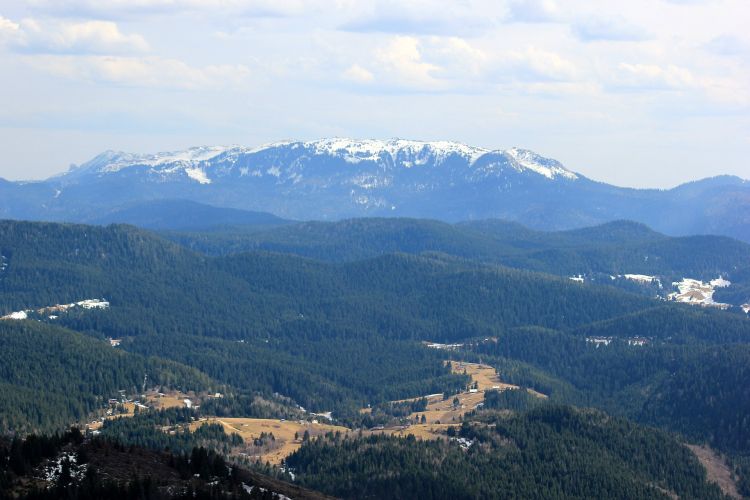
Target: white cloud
[402, 61]
[8, 29]
[89, 37]
[147, 72]
[610, 29]
[350, 66]
[728, 45]
[457, 57]
[534, 11]
[442, 17]
[533, 65]
[357, 73]
[444, 64]
[653, 76]
[117, 8]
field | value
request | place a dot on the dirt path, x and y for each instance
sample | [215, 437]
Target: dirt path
[717, 469]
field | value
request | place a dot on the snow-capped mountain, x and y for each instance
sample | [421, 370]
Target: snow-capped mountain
[202, 163]
[338, 178]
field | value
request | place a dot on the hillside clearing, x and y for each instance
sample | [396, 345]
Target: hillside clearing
[284, 442]
[717, 469]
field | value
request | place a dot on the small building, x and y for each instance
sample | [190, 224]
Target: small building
[597, 341]
[637, 341]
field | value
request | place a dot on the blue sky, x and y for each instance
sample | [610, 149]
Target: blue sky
[639, 93]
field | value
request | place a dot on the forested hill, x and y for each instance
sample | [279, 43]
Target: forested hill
[615, 248]
[340, 335]
[183, 214]
[151, 283]
[552, 452]
[51, 377]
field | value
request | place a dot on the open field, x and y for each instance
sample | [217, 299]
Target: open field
[485, 376]
[283, 432]
[419, 431]
[440, 414]
[441, 411]
[96, 425]
[172, 399]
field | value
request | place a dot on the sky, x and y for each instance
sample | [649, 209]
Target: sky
[642, 93]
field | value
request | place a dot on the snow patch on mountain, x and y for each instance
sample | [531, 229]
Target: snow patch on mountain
[284, 160]
[529, 160]
[198, 174]
[416, 152]
[368, 181]
[186, 158]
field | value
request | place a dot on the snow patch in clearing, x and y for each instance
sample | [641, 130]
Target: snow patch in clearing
[720, 282]
[53, 470]
[463, 442]
[18, 315]
[643, 279]
[696, 292]
[249, 490]
[85, 304]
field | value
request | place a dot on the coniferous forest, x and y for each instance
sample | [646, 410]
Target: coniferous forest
[335, 317]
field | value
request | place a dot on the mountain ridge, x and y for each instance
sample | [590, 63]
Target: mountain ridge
[333, 179]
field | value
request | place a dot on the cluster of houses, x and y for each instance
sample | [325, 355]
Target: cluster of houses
[597, 341]
[444, 347]
[605, 341]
